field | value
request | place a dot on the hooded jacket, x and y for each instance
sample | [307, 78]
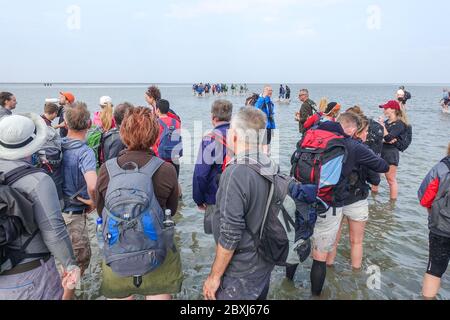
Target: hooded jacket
[435, 188]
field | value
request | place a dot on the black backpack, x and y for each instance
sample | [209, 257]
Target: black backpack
[375, 137]
[405, 139]
[16, 219]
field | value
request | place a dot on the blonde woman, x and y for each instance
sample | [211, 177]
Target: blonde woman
[394, 127]
[323, 105]
[104, 118]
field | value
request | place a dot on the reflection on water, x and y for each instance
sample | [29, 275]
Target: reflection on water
[396, 237]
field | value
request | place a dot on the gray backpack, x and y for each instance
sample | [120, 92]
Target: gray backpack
[136, 241]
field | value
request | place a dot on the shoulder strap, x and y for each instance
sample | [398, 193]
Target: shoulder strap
[19, 173]
[150, 168]
[113, 168]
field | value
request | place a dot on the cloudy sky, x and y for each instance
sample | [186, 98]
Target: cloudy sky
[254, 41]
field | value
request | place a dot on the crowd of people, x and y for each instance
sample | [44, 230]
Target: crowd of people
[124, 164]
[219, 89]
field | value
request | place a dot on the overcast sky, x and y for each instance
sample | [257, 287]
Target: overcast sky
[254, 41]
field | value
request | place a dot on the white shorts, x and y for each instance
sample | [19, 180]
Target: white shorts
[326, 230]
[359, 211]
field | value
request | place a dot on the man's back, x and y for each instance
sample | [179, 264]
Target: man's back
[78, 159]
[241, 204]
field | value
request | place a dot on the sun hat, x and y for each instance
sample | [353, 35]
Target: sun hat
[105, 100]
[21, 135]
[391, 105]
[69, 96]
[400, 93]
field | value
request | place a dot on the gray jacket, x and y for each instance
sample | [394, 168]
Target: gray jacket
[53, 236]
[241, 202]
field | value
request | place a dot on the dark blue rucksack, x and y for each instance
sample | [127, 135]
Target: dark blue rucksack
[171, 143]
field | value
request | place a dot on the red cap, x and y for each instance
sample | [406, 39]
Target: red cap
[392, 105]
[69, 96]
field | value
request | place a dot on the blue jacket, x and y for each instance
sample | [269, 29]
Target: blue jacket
[208, 168]
[266, 105]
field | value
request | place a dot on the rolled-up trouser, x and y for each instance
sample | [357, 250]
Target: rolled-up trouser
[42, 283]
[77, 226]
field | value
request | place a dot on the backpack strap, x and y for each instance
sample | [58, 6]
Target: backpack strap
[152, 166]
[19, 173]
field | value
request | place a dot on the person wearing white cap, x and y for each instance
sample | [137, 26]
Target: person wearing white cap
[35, 276]
[104, 119]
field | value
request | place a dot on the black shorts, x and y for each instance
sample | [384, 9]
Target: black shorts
[439, 255]
[391, 155]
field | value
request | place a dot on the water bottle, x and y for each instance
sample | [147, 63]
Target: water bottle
[99, 231]
[168, 222]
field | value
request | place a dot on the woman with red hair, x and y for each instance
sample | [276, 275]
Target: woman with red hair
[139, 132]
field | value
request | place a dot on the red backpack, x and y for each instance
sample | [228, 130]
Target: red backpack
[319, 160]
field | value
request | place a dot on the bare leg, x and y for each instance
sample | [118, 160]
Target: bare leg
[431, 286]
[130, 298]
[332, 255]
[160, 297]
[391, 177]
[357, 230]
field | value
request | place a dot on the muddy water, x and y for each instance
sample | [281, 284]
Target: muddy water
[396, 241]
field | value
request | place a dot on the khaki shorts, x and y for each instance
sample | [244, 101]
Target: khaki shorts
[79, 236]
[326, 230]
[358, 211]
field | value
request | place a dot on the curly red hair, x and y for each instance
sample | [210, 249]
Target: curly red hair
[140, 129]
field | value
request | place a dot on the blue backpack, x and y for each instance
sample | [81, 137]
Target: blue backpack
[171, 143]
[136, 240]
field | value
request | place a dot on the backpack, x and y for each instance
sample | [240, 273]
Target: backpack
[280, 240]
[111, 146]
[171, 143]
[375, 137]
[251, 101]
[136, 241]
[16, 219]
[94, 141]
[319, 160]
[49, 159]
[405, 139]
